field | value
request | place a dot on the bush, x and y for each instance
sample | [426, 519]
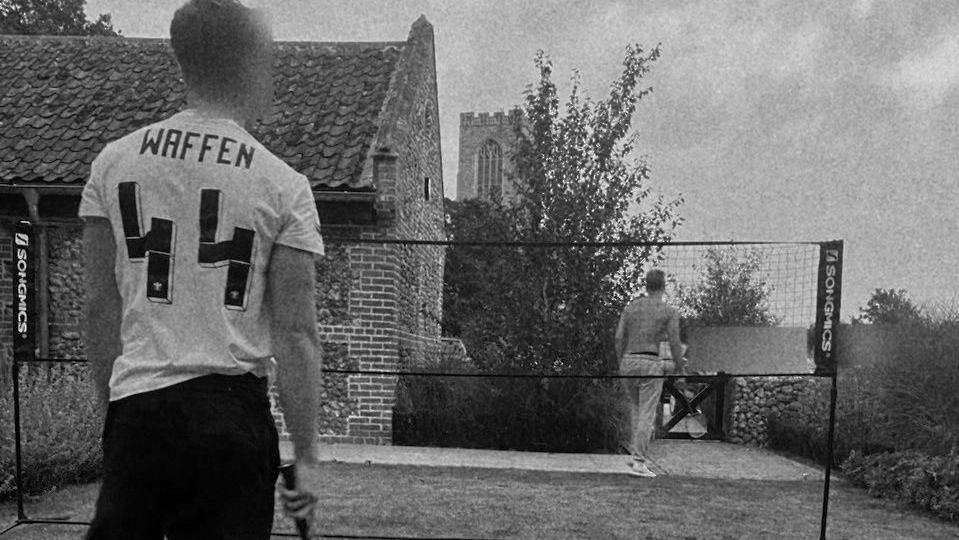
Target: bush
[509, 414]
[803, 428]
[930, 482]
[906, 402]
[60, 430]
[917, 390]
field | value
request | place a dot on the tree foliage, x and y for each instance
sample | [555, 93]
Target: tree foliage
[471, 273]
[731, 291]
[888, 306]
[555, 308]
[51, 17]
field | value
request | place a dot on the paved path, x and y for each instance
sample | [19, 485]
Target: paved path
[704, 459]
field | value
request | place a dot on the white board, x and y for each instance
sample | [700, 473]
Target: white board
[738, 349]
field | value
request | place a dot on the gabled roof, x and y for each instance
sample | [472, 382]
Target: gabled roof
[63, 98]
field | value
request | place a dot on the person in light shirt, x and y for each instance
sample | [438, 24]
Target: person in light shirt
[199, 257]
[644, 323]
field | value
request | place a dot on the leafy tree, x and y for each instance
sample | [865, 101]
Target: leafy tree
[731, 291]
[555, 309]
[51, 17]
[888, 306]
[524, 309]
[468, 297]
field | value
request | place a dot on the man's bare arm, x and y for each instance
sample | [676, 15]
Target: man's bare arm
[621, 336]
[675, 346]
[296, 344]
[102, 308]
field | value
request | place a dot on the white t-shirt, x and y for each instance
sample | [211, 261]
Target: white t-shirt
[196, 205]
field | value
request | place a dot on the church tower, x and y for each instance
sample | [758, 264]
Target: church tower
[485, 162]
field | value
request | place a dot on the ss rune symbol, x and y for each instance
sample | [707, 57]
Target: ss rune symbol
[237, 252]
[158, 247]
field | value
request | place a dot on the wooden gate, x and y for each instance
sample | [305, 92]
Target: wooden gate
[708, 395]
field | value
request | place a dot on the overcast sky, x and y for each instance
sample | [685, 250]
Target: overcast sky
[776, 120]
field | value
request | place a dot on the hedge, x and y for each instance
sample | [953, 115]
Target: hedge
[930, 482]
[60, 430]
[897, 432]
[507, 414]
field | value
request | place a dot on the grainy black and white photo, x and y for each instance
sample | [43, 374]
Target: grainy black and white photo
[422, 269]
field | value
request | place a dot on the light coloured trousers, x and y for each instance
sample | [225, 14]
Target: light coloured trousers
[643, 397]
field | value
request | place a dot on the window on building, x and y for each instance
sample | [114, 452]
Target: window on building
[489, 177]
[59, 206]
[426, 188]
[53, 206]
[13, 205]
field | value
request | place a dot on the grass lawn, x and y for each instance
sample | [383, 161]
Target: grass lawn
[486, 503]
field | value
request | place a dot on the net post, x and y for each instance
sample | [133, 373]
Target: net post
[23, 336]
[17, 445]
[720, 412]
[828, 301]
[829, 454]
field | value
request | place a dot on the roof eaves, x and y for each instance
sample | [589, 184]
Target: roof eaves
[344, 196]
[41, 37]
[50, 188]
[128, 39]
[346, 44]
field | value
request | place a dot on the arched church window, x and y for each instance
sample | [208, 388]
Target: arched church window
[489, 177]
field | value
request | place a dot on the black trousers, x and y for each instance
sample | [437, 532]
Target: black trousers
[197, 460]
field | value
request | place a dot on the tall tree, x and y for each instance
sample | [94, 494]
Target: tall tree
[578, 179]
[888, 306]
[51, 17]
[553, 309]
[471, 273]
[731, 291]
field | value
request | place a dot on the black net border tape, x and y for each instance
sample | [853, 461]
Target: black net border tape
[561, 244]
[691, 376]
[24, 522]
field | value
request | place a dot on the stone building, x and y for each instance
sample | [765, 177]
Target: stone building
[358, 119]
[485, 163]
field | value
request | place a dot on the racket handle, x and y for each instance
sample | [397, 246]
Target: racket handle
[288, 471]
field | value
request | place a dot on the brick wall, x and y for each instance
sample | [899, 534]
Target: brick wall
[355, 303]
[420, 283]
[754, 400]
[64, 293]
[378, 305]
[395, 300]
[65, 290]
[371, 343]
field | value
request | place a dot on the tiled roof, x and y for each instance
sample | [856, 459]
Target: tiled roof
[63, 99]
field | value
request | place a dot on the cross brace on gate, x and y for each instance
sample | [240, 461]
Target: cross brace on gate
[713, 385]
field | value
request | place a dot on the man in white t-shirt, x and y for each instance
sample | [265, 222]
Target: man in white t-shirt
[199, 270]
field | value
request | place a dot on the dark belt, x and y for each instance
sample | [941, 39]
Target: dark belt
[247, 382]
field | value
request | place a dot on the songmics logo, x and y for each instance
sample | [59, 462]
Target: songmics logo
[829, 305]
[22, 264]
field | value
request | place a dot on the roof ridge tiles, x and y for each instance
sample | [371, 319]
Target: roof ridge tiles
[38, 38]
[108, 86]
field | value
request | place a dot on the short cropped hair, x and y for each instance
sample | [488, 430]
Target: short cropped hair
[215, 42]
[655, 280]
